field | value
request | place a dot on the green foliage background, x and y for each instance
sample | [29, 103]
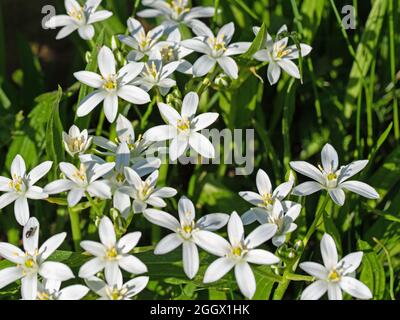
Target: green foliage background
[349, 97]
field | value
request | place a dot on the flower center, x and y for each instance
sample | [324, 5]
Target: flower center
[120, 178]
[237, 251]
[152, 70]
[17, 183]
[334, 276]
[267, 199]
[183, 124]
[331, 176]
[29, 263]
[146, 191]
[110, 83]
[112, 253]
[280, 50]
[81, 173]
[178, 8]
[218, 44]
[75, 144]
[43, 296]
[77, 13]
[167, 53]
[186, 230]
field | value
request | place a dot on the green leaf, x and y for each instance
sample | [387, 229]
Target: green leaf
[257, 43]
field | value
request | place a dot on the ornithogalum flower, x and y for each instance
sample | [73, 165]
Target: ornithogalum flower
[332, 178]
[110, 254]
[266, 197]
[110, 85]
[78, 18]
[215, 49]
[142, 43]
[183, 128]
[115, 289]
[334, 276]
[174, 12]
[75, 141]
[279, 55]
[51, 290]
[186, 232]
[145, 192]
[21, 187]
[32, 261]
[238, 253]
[79, 181]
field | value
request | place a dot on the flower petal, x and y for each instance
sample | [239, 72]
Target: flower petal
[235, 229]
[211, 242]
[95, 248]
[133, 94]
[129, 241]
[290, 67]
[306, 188]
[91, 267]
[260, 235]
[203, 65]
[329, 251]
[189, 105]
[315, 269]
[218, 269]
[9, 275]
[213, 221]
[259, 256]
[90, 102]
[162, 219]
[351, 261]
[107, 232]
[21, 210]
[201, 145]
[132, 264]
[190, 259]
[204, 120]
[55, 271]
[308, 170]
[355, 288]
[51, 245]
[168, 243]
[315, 290]
[337, 196]
[245, 279]
[360, 188]
[106, 62]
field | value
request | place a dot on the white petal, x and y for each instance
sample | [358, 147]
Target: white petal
[91, 267]
[133, 94]
[106, 62]
[201, 145]
[39, 172]
[264, 55]
[112, 273]
[164, 192]
[51, 245]
[94, 248]
[5, 184]
[351, 262]
[12, 253]
[196, 45]
[90, 102]
[351, 169]
[260, 235]
[203, 65]
[86, 32]
[290, 67]
[360, 188]
[168, 243]
[132, 264]
[111, 107]
[294, 54]
[9, 275]
[162, 219]
[18, 167]
[308, 170]
[160, 133]
[273, 73]
[29, 287]
[248, 217]
[237, 48]
[337, 196]
[245, 279]
[66, 31]
[74, 196]
[129, 241]
[252, 197]
[7, 198]
[204, 120]
[315, 269]
[329, 251]
[106, 232]
[306, 188]
[282, 190]
[190, 259]
[89, 78]
[213, 221]
[186, 210]
[59, 186]
[130, 71]
[21, 210]
[169, 114]
[74, 292]
[211, 242]
[55, 271]
[235, 229]
[263, 182]
[329, 158]
[189, 105]
[136, 285]
[58, 21]
[315, 290]
[334, 292]
[99, 16]
[218, 269]
[177, 147]
[200, 29]
[355, 288]
[226, 32]
[259, 256]
[229, 66]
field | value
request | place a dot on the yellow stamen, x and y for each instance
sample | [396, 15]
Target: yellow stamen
[110, 83]
[331, 176]
[183, 124]
[237, 251]
[29, 263]
[334, 276]
[112, 253]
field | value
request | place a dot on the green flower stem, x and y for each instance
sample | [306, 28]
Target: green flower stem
[75, 227]
[94, 205]
[291, 267]
[99, 128]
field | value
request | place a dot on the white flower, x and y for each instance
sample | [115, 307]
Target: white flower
[215, 49]
[172, 50]
[32, 261]
[50, 290]
[279, 55]
[239, 253]
[145, 192]
[334, 276]
[186, 232]
[110, 85]
[142, 43]
[21, 187]
[115, 289]
[79, 181]
[266, 197]
[332, 178]
[183, 128]
[78, 18]
[75, 141]
[155, 74]
[110, 254]
[174, 12]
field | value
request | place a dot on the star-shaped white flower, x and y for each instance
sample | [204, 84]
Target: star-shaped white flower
[142, 43]
[332, 178]
[280, 55]
[115, 289]
[157, 75]
[186, 232]
[110, 85]
[334, 276]
[51, 290]
[215, 49]
[265, 198]
[172, 50]
[239, 253]
[110, 254]
[21, 187]
[75, 141]
[79, 181]
[174, 12]
[183, 128]
[32, 261]
[145, 193]
[78, 18]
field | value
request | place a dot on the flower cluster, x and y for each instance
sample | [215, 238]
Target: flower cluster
[116, 172]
